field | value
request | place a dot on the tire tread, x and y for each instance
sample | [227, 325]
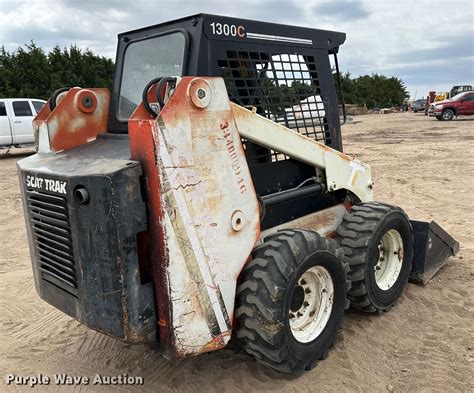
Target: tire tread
[263, 281]
[354, 235]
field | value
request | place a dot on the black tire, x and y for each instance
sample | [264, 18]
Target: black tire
[266, 287]
[360, 234]
[447, 115]
[52, 101]
[439, 118]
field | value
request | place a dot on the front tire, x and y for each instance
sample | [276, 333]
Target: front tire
[378, 246]
[291, 300]
[447, 114]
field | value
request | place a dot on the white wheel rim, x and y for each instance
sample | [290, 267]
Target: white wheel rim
[390, 260]
[309, 320]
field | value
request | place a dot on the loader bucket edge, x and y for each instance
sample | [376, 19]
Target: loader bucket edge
[433, 247]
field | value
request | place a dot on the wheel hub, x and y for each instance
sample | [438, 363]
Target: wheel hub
[311, 304]
[390, 259]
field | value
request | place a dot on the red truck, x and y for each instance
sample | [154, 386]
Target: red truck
[459, 105]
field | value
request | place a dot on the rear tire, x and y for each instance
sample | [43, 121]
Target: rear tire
[291, 300]
[378, 246]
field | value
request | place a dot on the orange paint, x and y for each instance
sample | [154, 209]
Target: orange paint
[71, 124]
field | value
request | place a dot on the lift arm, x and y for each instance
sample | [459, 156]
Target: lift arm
[342, 171]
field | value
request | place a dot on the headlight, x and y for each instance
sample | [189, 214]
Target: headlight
[438, 106]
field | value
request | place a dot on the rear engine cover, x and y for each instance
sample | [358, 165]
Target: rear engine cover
[84, 245]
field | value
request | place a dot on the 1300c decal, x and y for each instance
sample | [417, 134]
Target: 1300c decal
[227, 30]
[41, 183]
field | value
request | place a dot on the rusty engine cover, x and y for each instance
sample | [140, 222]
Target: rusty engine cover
[203, 212]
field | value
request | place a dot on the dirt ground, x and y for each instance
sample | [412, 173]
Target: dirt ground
[425, 343]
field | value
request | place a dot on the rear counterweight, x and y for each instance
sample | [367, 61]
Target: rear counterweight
[83, 211]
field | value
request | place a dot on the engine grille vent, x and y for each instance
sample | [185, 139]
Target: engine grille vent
[52, 236]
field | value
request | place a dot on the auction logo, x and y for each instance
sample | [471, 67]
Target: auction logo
[65, 379]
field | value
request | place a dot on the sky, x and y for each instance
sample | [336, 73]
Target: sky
[427, 44]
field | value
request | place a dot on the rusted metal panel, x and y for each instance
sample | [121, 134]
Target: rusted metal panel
[77, 119]
[203, 198]
[143, 148]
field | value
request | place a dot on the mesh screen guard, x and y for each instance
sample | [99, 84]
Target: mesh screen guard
[284, 88]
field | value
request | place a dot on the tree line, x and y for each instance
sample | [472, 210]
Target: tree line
[372, 90]
[31, 72]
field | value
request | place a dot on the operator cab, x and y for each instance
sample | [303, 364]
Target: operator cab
[282, 71]
[257, 60]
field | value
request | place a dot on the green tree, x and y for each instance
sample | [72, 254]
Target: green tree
[25, 73]
[373, 90]
[6, 73]
[30, 72]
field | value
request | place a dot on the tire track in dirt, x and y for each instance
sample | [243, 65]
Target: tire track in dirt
[50, 322]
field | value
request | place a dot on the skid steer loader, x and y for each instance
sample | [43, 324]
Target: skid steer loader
[208, 197]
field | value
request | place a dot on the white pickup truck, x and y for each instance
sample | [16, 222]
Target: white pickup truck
[16, 117]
